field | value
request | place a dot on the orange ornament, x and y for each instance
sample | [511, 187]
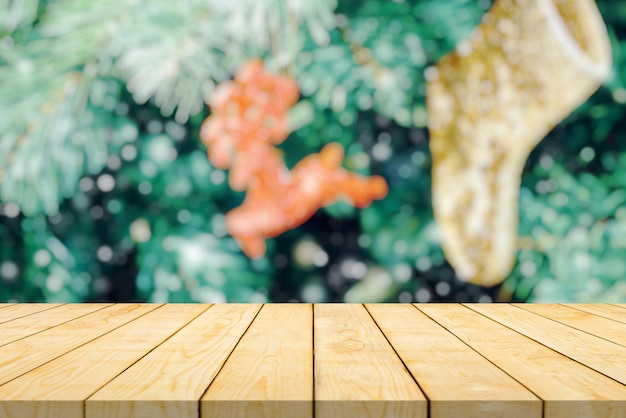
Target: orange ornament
[249, 117]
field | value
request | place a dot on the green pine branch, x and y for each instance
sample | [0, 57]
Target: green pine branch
[52, 132]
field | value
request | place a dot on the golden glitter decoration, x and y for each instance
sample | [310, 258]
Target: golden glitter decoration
[526, 67]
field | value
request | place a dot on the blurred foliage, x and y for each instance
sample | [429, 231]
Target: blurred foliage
[107, 193]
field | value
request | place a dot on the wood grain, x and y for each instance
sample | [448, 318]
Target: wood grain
[13, 312]
[169, 381]
[40, 321]
[23, 355]
[612, 312]
[357, 373]
[82, 371]
[313, 361]
[270, 372]
[567, 388]
[592, 324]
[449, 370]
[597, 353]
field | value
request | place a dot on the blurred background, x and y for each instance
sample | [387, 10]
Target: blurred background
[107, 193]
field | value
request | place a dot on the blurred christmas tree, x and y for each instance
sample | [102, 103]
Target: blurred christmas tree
[107, 192]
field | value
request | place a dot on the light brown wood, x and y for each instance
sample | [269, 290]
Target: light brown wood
[357, 373]
[597, 353]
[447, 369]
[23, 355]
[13, 312]
[601, 327]
[604, 310]
[313, 361]
[567, 388]
[270, 372]
[169, 381]
[80, 372]
[40, 321]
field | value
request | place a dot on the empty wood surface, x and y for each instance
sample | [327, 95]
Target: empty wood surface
[604, 356]
[601, 327]
[568, 389]
[15, 311]
[42, 320]
[269, 374]
[312, 361]
[604, 310]
[170, 380]
[449, 370]
[357, 373]
[79, 373]
[26, 354]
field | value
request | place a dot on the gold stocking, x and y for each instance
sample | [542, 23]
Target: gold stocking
[526, 67]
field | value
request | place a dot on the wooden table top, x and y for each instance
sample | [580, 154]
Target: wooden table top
[312, 361]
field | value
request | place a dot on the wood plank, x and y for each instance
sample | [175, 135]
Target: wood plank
[20, 310]
[5, 305]
[40, 321]
[356, 371]
[23, 355]
[169, 381]
[568, 389]
[597, 353]
[604, 310]
[601, 327]
[457, 380]
[270, 372]
[74, 376]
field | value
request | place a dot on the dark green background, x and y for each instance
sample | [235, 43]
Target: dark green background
[131, 210]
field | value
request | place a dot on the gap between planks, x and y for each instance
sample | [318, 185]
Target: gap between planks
[567, 388]
[597, 353]
[15, 311]
[452, 363]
